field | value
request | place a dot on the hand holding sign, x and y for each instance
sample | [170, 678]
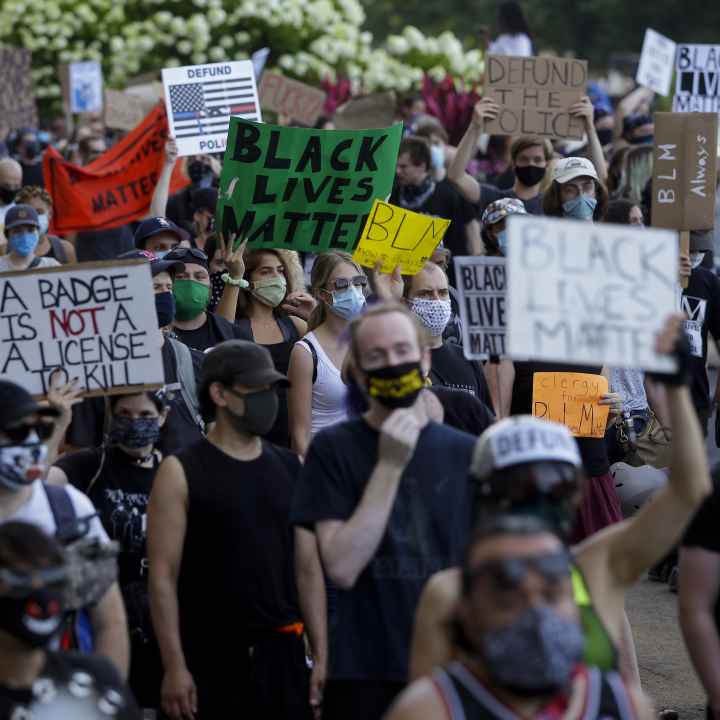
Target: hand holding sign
[484, 110]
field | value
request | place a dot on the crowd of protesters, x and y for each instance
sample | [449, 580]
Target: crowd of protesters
[327, 510]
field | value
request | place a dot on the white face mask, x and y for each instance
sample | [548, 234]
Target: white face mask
[696, 259]
[433, 314]
[44, 221]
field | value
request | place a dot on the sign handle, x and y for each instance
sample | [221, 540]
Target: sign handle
[684, 250]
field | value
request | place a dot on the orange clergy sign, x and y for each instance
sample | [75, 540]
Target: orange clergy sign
[572, 399]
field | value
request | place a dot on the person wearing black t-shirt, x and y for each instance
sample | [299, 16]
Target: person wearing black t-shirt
[388, 497]
[118, 477]
[427, 295]
[227, 569]
[193, 325]
[33, 679]
[416, 190]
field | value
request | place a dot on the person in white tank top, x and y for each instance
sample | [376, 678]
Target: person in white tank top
[316, 398]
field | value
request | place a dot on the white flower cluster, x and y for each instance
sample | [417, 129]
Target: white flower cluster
[313, 40]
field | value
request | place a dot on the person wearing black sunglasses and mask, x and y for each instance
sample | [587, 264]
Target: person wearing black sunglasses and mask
[387, 496]
[34, 679]
[203, 171]
[25, 428]
[519, 638]
[193, 325]
[226, 566]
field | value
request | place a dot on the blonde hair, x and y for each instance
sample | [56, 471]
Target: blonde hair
[323, 268]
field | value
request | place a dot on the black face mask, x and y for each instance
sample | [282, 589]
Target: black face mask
[261, 409]
[529, 175]
[605, 136]
[642, 140]
[32, 149]
[196, 171]
[34, 619]
[165, 306]
[396, 386]
[7, 195]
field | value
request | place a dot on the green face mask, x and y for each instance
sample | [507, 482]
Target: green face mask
[270, 292]
[191, 298]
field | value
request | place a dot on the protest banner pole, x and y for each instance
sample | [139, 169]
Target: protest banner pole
[684, 250]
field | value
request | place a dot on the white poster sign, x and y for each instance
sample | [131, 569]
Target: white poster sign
[481, 286]
[200, 100]
[95, 322]
[697, 79]
[589, 294]
[657, 62]
[86, 87]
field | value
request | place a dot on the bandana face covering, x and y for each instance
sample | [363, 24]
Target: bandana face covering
[396, 386]
[22, 464]
[135, 433]
[433, 314]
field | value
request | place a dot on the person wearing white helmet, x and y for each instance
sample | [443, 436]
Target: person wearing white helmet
[531, 466]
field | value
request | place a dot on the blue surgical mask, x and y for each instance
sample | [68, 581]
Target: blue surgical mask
[24, 243]
[437, 156]
[44, 221]
[581, 208]
[502, 241]
[348, 303]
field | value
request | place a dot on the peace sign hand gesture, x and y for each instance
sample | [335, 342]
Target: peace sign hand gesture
[233, 258]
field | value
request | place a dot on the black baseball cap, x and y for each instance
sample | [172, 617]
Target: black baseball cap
[17, 403]
[240, 361]
[189, 256]
[21, 215]
[157, 265]
[154, 226]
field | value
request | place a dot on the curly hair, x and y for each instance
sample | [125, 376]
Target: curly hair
[33, 192]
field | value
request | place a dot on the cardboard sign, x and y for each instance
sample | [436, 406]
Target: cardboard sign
[697, 79]
[684, 170]
[123, 110]
[200, 100]
[17, 99]
[149, 92]
[95, 322]
[657, 62]
[591, 294]
[85, 87]
[367, 113]
[303, 189]
[572, 400]
[534, 94]
[115, 189]
[481, 284]
[294, 99]
[399, 237]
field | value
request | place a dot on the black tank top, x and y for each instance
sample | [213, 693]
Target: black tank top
[465, 697]
[236, 580]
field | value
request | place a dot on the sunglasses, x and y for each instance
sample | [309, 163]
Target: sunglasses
[180, 253]
[509, 574]
[20, 433]
[344, 283]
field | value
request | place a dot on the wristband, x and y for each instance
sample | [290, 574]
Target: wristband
[241, 282]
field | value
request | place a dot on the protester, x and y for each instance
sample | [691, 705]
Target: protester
[29, 155]
[638, 129]
[416, 190]
[24, 427]
[36, 681]
[519, 637]
[432, 130]
[203, 171]
[158, 235]
[576, 192]
[638, 172]
[22, 229]
[386, 496]
[193, 325]
[212, 538]
[494, 224]
[428, 297]
[316, 398]
[118, 477]
[624, 212]
[48, 246]
[204, 202]
[530, 466]
[514, 37]
[260, 314]
[10, 183]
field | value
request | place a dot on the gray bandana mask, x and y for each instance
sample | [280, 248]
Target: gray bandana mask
[550, 647]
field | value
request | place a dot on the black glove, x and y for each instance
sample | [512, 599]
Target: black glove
[681, 353]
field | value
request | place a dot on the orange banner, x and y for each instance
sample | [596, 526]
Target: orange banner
[572, 399]
[115, 189]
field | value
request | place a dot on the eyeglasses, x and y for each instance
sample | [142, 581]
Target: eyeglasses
[343, 283]
[508, 574]
[20, 433]
[180, 253]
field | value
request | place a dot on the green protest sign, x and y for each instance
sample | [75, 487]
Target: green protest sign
[303, 189]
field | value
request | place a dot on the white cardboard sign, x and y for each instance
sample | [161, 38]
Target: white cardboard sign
[481, 286]
[657, 62]
[86, 87]
[697, 79]
[589, 294]
[95, 322]
[200, 100]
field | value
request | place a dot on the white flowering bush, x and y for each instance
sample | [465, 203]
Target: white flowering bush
[313, 40]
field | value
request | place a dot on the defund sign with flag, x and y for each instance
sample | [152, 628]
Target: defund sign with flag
[201, 98]
[303, 189]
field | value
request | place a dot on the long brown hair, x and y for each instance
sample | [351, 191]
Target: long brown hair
[552, 204]
[323, 268]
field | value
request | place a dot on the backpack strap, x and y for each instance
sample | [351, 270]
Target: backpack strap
[313, 352]
[186, 378]
[63, 512]
[58, 249]
[35, 262]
